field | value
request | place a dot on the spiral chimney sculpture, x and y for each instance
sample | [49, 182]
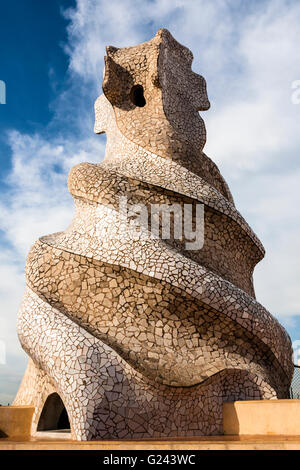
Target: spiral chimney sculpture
[139, 334]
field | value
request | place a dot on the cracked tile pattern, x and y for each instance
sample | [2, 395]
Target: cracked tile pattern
[107, 398]
[140, 336]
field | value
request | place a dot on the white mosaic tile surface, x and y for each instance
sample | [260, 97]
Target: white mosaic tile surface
[139, 336]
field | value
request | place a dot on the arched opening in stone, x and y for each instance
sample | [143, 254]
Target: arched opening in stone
[137, 96]
[54, 416]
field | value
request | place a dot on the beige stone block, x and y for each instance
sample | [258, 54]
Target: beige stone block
[262, 417]
[15, 421]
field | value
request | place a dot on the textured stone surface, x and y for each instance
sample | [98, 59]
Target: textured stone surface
[140, 336]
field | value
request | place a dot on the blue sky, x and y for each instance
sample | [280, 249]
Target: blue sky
[52, 60]
[31, 36]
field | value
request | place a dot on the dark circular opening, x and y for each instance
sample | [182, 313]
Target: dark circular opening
[137, 96]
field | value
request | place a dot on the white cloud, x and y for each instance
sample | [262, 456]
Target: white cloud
[38, 201]
[273, 207]
[260, 124]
